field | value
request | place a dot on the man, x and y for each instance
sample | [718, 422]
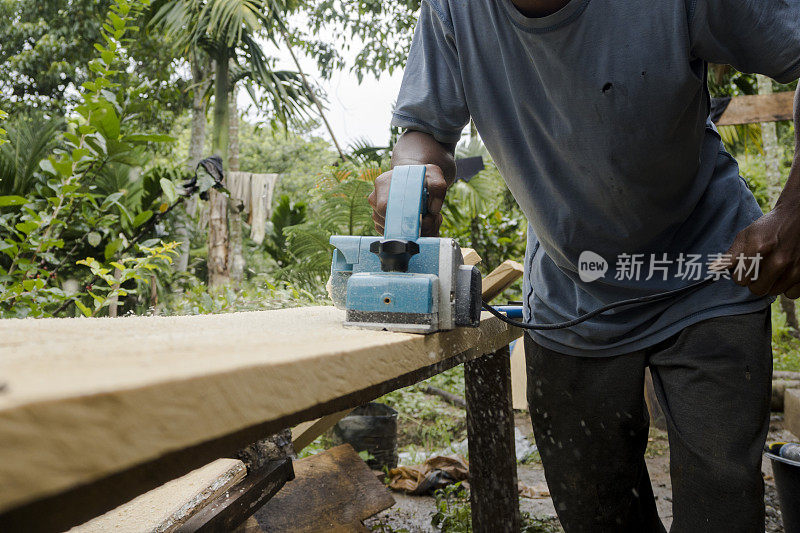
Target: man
[595, 112]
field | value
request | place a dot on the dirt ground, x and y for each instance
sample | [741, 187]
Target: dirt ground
[413, 513]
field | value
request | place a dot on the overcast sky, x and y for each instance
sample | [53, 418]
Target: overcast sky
[354, 111]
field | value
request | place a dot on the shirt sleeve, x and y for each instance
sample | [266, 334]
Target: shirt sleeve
[755, 36]
[431, 96]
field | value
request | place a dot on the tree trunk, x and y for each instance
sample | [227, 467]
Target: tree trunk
[772, 159]
[218, 273]
[235, 253]
[196, 148]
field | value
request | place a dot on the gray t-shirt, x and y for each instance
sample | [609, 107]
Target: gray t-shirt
[597, 118]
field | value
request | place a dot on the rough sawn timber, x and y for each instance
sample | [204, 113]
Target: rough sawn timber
[752, 109]
[94, 412]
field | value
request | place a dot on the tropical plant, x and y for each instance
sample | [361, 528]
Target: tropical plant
[3, 140]
[63, 215]
[383, 30]
[29, 140]
[228, 31]
[286, 213]
[111, 279]
[339, 206]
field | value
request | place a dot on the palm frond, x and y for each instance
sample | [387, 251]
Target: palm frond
[30, 140]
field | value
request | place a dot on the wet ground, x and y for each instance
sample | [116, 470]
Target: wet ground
[414, 513]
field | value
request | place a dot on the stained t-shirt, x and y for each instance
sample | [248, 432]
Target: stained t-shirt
[597, 118]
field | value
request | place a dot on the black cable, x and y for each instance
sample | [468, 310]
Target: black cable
[592, 314]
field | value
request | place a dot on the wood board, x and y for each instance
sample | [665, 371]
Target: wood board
[307, 432]
[500, 279]
[519, 377]
[791, 411]
[88, 403]
[163, 509]
[332, 491]
[753, 109]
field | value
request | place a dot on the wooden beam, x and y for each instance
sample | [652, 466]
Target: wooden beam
[791, 411]
[753, 109]
[307, 432]
[500, 279]
[519, 377]
[470, 256]
[95, 412]
[170, 505]
[332, 491]
[231, 509]
[490, 432]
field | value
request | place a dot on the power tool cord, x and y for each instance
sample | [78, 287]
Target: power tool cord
[583, 318]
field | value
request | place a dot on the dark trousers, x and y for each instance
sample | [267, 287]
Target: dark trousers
[713, 381]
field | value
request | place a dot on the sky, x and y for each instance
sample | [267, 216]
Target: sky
[355, 111]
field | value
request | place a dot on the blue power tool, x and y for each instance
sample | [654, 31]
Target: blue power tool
[404, 282]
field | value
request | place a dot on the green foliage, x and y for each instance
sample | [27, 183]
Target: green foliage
[481, 214]
[296, 155]
[426, 423]
[257, 295]
[785, 343]
[30, 139]
[384, 28]
[229, 31]
[453, 511]
[46, 48]
[453, 514]
[285, 214]
[112, 278]
[3, 140]
[338, 206]
[62, 213]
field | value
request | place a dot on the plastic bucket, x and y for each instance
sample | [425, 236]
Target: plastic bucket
[371, 428]
[787, 482]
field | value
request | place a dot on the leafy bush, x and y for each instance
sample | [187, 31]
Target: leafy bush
[253, 296]
[453, 514]
[61, 212]
[338, 206]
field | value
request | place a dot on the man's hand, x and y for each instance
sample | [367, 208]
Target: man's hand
[774, 237]
[437, 188]
[418, 148]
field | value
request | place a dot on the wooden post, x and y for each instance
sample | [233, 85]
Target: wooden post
[490, 428]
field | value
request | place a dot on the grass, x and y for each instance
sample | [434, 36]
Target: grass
[453, 514]
[657, 443]
[785, 347]
[428, 423]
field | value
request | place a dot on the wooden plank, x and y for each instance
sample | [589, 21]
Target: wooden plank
[470, 256]
[500, 279]
[307, 432]
[490, 432]
[791, 411]
[332, 491]
[95, 412]
[165, 508]
[232, 509]
[752, 109]
[519, 377]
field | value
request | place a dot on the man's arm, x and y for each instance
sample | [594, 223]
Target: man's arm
[776, 236]
[417, 148]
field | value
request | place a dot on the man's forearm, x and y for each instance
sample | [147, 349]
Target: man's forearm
[417, 148]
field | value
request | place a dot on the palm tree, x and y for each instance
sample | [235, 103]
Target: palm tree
[228, 31]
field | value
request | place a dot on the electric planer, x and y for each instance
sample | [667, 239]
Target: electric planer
[404, 282]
